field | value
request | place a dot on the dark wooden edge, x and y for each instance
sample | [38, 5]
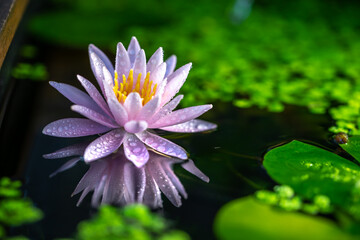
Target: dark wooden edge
[11, 12]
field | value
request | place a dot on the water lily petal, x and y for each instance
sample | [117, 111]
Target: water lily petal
[135, 150]
[69, 164]
[155, 60]
[158, 74]
[129, 179]
[94, 94]
[75, 95]
[191, 126]
[133, 105]
[104, 145]
[133, 49]
[152, 194]
[74, 127]
[134, 126]
[165, 110]
[191, 168]
[73, 150]
[175, 82]
[98, 60]
[162, 145]
[170, 65]
[164, 183]
[140, 66]
[122, 61]
[181, 116]
[92, 115]
[149, 109]
[118, 111]
[114, 187]
[174, 179]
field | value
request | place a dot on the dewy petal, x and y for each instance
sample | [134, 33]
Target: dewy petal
[175, 82]
[114, 187]
[165, 110]
[164, 183]
[158, 73]
[135, 150]
[75, 95]
[94, 94]
[155, 60]
[149, 109]
[181, 116]
[104, 145]
[170, 65]
[133, 105]
[122, 62]
[191, 168]
[133, 49]
[98, 60]
[73, 150]
[129, 179]
[140, 66]
[191, 126]
[69, 164]
[152, 194]
[117, 109]
[96, 117]
[162, 145]
[74, 127]
[134, 126]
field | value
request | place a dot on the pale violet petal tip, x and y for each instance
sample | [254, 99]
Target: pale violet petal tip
[135, 150]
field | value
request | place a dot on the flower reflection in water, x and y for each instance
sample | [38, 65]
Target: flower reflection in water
[116, 180]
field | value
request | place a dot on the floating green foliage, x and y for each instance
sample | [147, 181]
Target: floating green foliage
[133, 222]
[14, 210]
[247, 218]
[284, 198]
[312, 171]
[35, 71]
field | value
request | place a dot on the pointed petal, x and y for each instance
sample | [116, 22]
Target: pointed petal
[157, 76]
[165, 110]
[69, 164]
[99, 190]
[133, 105]
[116, 108]
[98, 60]
[161, 88]
[75, 95]
[92, 115]
[74, 127]
[129, 179]
[140, 184]
[175, 82]
[170, 65]
[152, 194]
[122, 62]
[174, 179]
[140, 66]
[114, 187]
[164, 183]
[135, 126]
[155, 60]
[135, 150]
[162, 145]
[104, 145]
[94, 94]
[181, 116]
[191, 168]
[191, 126]
[149, 109]
[133, 49]
[73, 150]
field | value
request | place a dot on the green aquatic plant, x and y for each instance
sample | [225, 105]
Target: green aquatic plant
[15, 210]
[131, 222]
[36, 71]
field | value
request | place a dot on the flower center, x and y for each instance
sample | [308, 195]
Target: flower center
[122, 89]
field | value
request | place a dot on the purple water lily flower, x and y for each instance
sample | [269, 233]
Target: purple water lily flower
[136, 98]
[115, 180]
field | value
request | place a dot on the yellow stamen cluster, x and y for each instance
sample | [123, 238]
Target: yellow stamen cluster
[127, 86]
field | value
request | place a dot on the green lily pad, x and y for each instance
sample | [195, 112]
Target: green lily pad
[311, 171]
[353, 147]
[247, 218]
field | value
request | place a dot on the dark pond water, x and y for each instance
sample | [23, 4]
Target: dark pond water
[230, 156]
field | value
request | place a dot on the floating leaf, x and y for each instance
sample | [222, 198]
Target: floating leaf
[246, 218]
